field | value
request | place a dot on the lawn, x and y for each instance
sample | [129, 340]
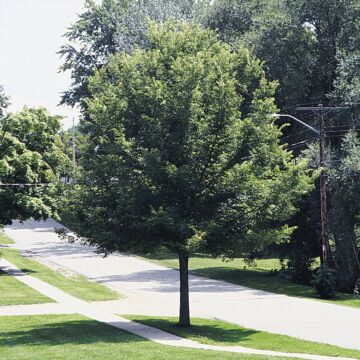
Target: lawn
[14, 292]
[217, 332]
[4, 240]
[260, 277]
[77, 285]
[76, 337]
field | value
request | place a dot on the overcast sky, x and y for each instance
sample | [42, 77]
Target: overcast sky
[30, 35]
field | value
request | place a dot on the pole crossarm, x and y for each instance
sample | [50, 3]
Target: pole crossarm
[320, 110]
[317, 132]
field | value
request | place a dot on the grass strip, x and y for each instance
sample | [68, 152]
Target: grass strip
[14, 292]
[76, 285]
[76, 337]
[5, 240]
[215, 332]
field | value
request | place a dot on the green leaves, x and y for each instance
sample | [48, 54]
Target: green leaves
[31, 152]
[183, 151]
[4, 101]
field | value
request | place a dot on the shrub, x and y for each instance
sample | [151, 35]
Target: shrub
[324, 282]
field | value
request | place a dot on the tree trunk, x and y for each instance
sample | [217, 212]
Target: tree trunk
[346, 252]
[184, 315]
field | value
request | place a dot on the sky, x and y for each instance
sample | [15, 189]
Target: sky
[30, 36]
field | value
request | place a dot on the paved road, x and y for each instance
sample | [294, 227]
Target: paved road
[152, 289]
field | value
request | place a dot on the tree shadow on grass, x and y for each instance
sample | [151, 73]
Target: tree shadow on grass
[257, 279]
[28, 271]
[75, 332]
[212, 332]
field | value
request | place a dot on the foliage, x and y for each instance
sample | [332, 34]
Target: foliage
[300, 266]
[4, 102]
[325, 282]
[299, 41]
[347, 83]
[30, 153]
[168, 142]
[344, 210]
[109, 27]
[233, 18]
[276, 36]
[311, 48]
[343, 204]
[303, 247]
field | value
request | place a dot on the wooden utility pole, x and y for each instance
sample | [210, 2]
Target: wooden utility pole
[321, 111]
[323, 203]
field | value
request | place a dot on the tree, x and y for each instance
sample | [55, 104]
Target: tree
[233, 18]
[4, 102]
[343, 203]
[311, 48]
[336, 28]
[30, 153]
[344, 211]
[112, 26]
[298, 40]
[276, 36]
[183, 152]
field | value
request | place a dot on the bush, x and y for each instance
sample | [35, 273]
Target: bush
[300, 267]
[324, 282]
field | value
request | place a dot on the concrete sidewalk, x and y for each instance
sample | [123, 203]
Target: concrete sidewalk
[150, 289]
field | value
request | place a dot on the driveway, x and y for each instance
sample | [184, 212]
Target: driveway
[153, 290]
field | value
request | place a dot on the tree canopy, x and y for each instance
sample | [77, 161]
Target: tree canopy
[31, 154]
[4, 101]
[109, 27]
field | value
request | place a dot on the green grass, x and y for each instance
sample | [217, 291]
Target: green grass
[75, 337]
[5, 240]
[14, 292]
[237, 272]
[215, 332]
[77, 285]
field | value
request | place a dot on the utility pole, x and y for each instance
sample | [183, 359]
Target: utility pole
[321, 111]
[73, 148]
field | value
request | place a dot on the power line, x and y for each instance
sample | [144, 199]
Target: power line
[295, 134]
[299, 144]
[26, 184]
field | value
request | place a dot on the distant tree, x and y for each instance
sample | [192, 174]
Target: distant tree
[344, 211]
[299, 40]
[336, 29]
[183, 152]
[110, 27]
[4, 102]
[30, 153]
[347, 83]
[311, 48]
[233, 18]
[276, 36]
[344, 206]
